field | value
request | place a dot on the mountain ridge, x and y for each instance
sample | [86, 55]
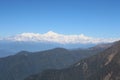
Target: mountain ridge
[26, 63]
[54, 37]
[103, 66]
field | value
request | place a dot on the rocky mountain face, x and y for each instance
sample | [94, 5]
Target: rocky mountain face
[23, 64]
[103, 66]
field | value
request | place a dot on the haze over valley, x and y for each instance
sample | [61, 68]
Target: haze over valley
[59, 39]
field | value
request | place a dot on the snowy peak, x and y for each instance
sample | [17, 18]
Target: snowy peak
[51, 36]
[51, 33]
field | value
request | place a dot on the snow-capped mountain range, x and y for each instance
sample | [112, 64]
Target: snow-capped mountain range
[51, 36]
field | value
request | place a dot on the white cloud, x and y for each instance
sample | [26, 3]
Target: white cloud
[57, 38]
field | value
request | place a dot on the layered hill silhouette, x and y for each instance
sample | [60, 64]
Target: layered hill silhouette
[103, 66]
[23, 64]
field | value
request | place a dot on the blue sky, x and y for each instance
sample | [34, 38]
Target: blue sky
[95, 18]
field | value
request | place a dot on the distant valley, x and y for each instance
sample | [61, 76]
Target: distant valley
[102, 66]
[8, 48]
[24, 63]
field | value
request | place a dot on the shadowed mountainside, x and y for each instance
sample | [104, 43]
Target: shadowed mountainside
[103, 66]
[24, 63]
